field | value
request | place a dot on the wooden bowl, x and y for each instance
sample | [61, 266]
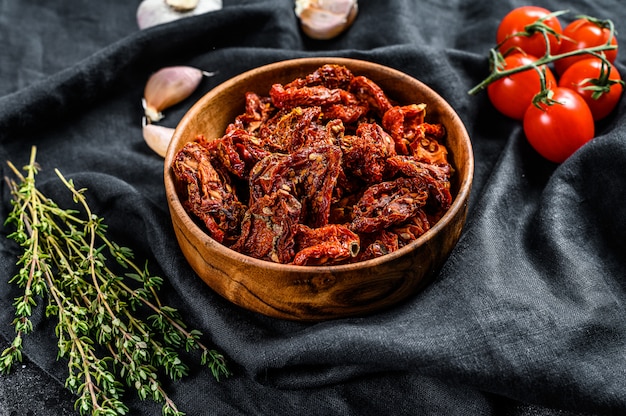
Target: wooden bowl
[319, 292]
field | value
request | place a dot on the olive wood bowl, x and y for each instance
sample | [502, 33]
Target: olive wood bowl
[312, 293]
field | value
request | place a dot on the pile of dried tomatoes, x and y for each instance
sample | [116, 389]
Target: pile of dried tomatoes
[325, 169]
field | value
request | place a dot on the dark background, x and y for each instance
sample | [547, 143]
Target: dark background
[526, 317]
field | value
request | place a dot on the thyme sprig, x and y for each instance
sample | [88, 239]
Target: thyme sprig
[111, 327]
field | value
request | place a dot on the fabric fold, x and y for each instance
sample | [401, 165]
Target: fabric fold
[525, 318]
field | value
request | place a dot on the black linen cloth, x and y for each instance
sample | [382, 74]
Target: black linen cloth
[527, 316]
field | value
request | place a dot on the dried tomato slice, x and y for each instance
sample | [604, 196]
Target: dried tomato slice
[368, 91]
[332, 243]
[350, 110]
[310, 174]
[402, 123]
[436, 177]
[379, 244]
[290, 129]
[304, 96]
[427, 148]
[271, 174]
[209, 194]
[258, 110]
[268, 228]
[329, 75]
[237, 151]
[410, 231]
[318, 171]
[366, 153]
[389, 203]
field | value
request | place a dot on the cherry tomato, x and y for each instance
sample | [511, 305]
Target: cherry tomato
[513, 94]
[556, 131]
[577, 76]
[516, 21]
[581, 34]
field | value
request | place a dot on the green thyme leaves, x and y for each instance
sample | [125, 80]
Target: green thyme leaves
[110, 324]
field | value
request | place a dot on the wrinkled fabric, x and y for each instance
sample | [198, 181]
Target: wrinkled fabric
[528, 314]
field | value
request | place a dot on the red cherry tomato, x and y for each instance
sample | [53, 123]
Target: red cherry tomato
[581, 34]
[556, 131]
[577, 77]
[513, 94]
[516, 21]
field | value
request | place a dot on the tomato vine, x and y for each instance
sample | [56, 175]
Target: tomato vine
[558, 117]
[496, 57]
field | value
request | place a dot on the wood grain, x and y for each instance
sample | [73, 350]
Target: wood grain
[314, 292]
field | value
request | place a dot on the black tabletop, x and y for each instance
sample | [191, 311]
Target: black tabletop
[525, 318]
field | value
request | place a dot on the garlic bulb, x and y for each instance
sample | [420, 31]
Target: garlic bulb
[169, 86]
[155, 12]
[325, 19]
[182, 5]
[157, 137]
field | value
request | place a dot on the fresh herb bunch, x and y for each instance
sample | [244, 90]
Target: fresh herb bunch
[98, 311]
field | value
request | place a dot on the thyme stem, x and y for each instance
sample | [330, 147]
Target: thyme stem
[106, 343]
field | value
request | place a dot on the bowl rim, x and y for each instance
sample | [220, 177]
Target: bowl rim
[459, 201]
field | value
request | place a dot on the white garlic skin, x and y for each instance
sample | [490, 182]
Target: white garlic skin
[155, 12]
[169, 86]
[325, 19]
[182, 5]
[157, 137]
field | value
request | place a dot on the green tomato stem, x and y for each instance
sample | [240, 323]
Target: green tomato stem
[497, 74]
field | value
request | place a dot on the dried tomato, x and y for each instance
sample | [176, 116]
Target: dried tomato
[402, 123]
[310, 174]
[332, 171]
[332, 243]
[304, 96]
[366, 153]
[319, 169]
[209, 194]
[410, 231]
[268, 228]
[349, 110]
[258, 109]
[379, 244]
[369, 92]
[437, 178]
[427, 147]
[389, 203]
[237, 151]
[331, 76]
[290, 129]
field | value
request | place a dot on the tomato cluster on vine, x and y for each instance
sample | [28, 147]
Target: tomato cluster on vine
[558, 81]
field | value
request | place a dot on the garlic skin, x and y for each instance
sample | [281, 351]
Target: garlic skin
[169, 86]
[182, 5]
[325, 19]
[155, 12]
[157, 137]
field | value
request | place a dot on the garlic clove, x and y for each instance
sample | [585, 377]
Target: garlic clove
[169, 86]
[182, 5]
[325, 19]
[156, 12]
[157, 137]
